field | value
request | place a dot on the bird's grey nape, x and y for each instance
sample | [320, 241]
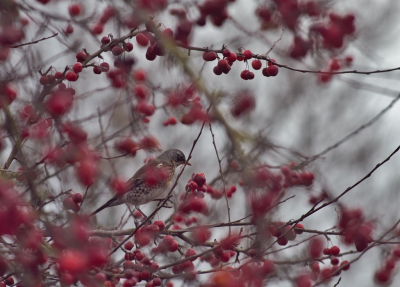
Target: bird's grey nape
[172, 156]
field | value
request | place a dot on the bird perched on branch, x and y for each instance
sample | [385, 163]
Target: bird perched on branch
[150, 181]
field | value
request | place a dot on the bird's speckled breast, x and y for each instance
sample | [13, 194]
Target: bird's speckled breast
[144, 193]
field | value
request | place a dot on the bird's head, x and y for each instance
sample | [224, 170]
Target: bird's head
[173, 157]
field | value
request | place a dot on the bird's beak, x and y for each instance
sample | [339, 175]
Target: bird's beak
[188, 163]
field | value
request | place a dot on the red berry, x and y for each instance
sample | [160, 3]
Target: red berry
[59, 103]
[192, 186]
[160, 224]
[44, 80]
[299, 226]
[326, 251]
[282, 241]
[390, 263]
[142, 40]
[250, 75]
[145, 108]
[97, 28]
[173, 247]
[344, 263]
[273, 70]
[24, 21]
[244, 74]
[226, 53]
[349, 60]
[256, 64]
[200, 179]
[75, 9]
[382, 276]
[271, 62]
[117, 50]
[326, 273]
[77, 67]
[128, 264]
[232, 57]
[172, 121]
[361, 244]
[58, 75]
[303, 280]
[129, 245]
[248, 54]
[223, 64]
[268, 267]
[168, 32]
[151, 53]
[139, 75]
[396, 252]
[73, 261]
[335, 65]
[105, 40]
[244, 103]
[334, 250]
[145, 274]
[97, 70]
[69, 29]
[324, 78]
[71, 76]
[225, 256]
[190, 252]
[139, 256]
[315, 247]
[105, 67]
[217, 71]
[209, 56]
[168, 240]
[177, 269]
[129, 46]
[334, 260]
[77, 197]
[265, 72]
[81, 56]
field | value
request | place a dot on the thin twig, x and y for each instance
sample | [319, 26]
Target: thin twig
[276, 42]
[223, 178]
[34, 42]
[352, 134]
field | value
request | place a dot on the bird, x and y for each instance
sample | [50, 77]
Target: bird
[149, 182]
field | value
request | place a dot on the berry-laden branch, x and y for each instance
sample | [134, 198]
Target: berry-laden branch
[360, 255]
[86, 58]
[242, 56]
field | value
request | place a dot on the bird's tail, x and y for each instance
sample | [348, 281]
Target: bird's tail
[112, 202]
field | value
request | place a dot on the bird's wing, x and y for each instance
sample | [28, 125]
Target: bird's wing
[133, 182]
[137, 179]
